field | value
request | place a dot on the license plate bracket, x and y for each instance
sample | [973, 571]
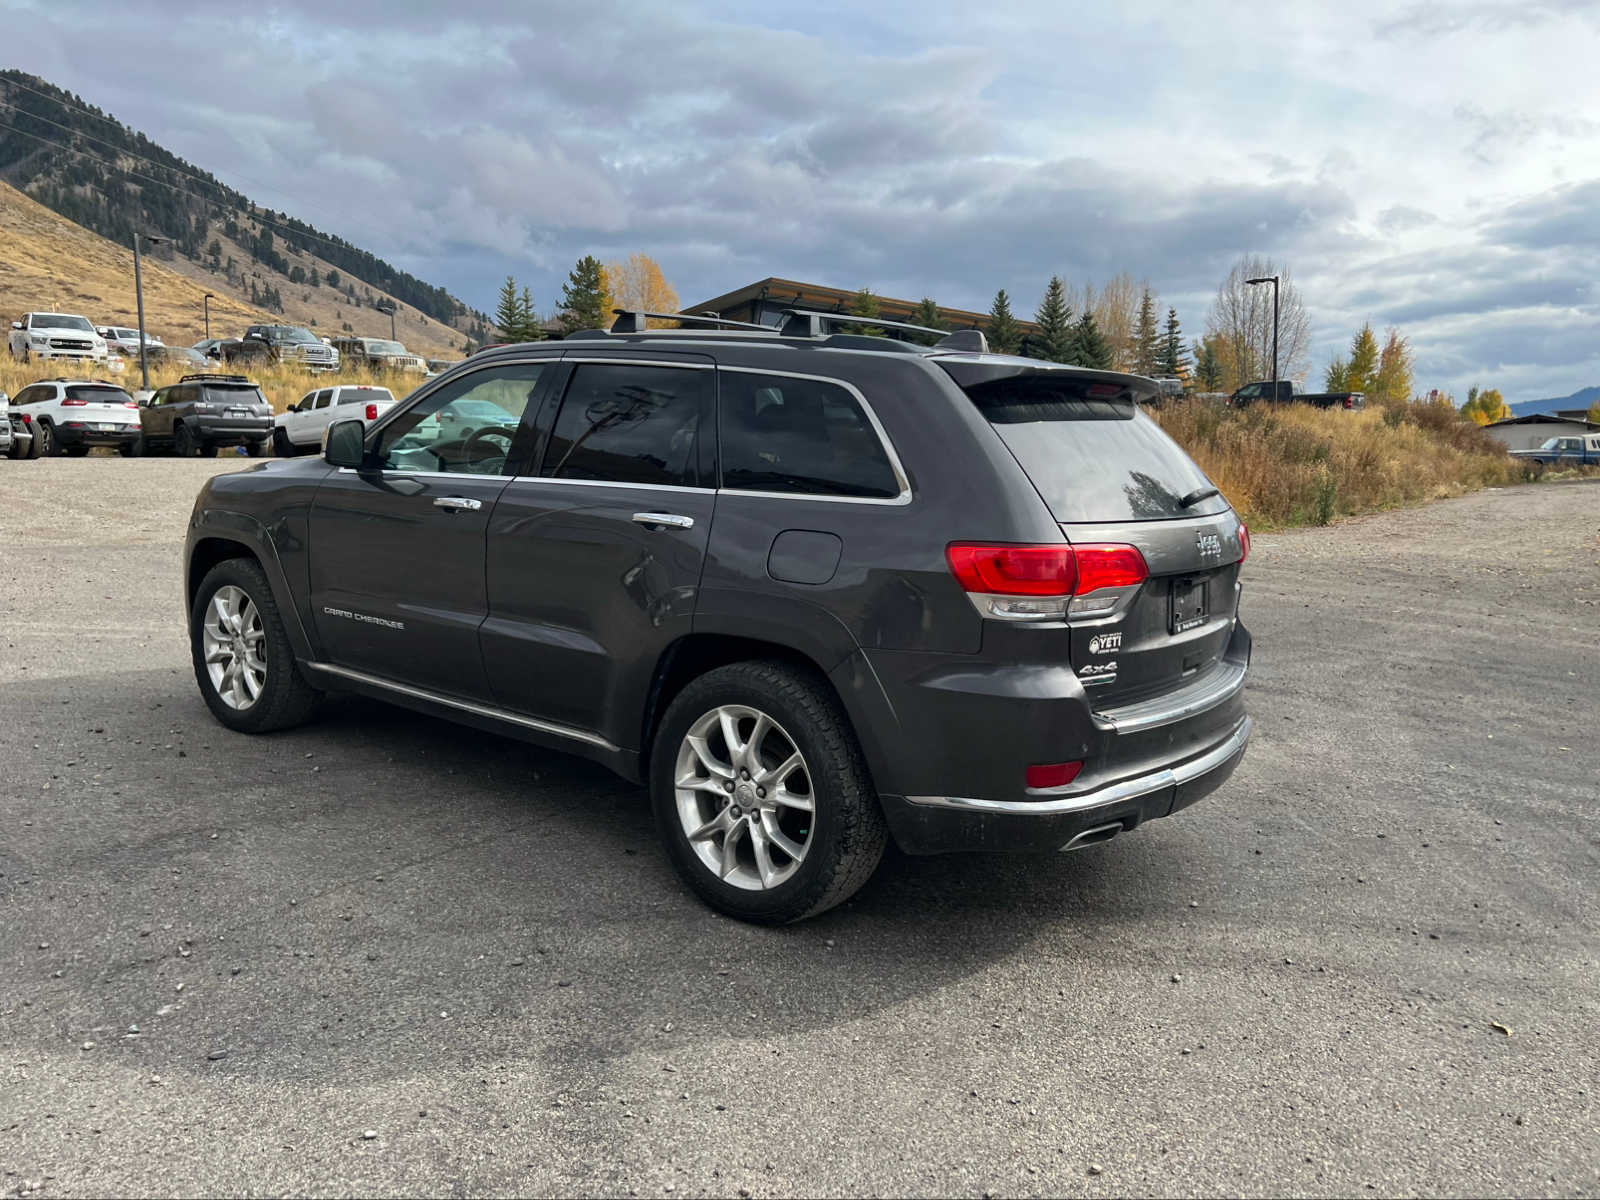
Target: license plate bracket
[1189, 604]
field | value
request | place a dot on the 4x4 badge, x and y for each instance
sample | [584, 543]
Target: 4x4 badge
[1208, 543]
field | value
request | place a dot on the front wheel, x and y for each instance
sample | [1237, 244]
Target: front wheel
[45, 441]
[243, 660]
[762, 796]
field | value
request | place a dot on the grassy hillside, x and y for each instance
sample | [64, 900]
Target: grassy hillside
[1299, 465]
[48, 262]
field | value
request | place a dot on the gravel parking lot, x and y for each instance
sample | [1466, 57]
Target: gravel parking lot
[384, 954]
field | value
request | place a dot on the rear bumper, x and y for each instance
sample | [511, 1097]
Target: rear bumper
[76, 435]
[234, 433]
[940, 824]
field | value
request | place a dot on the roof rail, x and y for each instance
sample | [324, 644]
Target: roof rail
[804, 322]
[215, 376]
[631, 320]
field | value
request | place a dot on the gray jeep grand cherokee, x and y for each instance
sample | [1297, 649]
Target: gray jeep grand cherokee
[816, 589]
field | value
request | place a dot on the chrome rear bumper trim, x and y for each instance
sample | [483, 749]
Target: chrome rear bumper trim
[1111, 793]
[1220, 685]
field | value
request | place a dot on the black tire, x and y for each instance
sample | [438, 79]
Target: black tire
[35, 446]
[847, 832]
[281, 445]
[44, 437]
[132, 448]
[286, 698]
[183, 442]
[16, 449]
[256, 449]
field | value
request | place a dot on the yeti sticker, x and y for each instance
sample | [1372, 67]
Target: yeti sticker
[1105, 643]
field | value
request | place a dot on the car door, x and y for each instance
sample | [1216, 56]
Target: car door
[312, 418]
[296, 422]
[594, 561]
[397, 547]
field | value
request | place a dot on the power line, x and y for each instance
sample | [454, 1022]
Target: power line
[66, 104]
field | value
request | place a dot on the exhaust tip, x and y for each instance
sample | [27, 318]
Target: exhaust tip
[1093, 837]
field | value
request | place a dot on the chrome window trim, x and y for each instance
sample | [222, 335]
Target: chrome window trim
[482, 710]
[613, 483]
[451, 475]
[884, 441]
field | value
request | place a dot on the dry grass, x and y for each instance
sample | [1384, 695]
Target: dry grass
[283, 385]
[1298, 465]
[49, 264]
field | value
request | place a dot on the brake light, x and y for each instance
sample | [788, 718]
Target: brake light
[1244, 542]
[1012, 570]
[74, 403]
[1349, 401]
[1053, 775]
[372, 412]
[130, 404]
[1108, 565]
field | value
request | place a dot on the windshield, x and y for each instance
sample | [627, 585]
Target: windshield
[377, 347]
[99, 395]
[1090, 451]
[60, 321]
[1551, 443]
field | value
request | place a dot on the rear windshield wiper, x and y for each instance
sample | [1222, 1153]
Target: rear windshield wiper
[1199, 494]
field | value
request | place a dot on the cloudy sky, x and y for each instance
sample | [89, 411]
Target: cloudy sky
[1434, 166]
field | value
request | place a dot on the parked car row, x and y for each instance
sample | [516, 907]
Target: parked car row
[195, 417]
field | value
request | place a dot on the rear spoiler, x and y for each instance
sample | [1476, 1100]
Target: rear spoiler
[970, 370]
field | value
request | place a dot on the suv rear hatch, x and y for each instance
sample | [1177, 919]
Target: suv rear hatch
[100, 405]
[1111, 476]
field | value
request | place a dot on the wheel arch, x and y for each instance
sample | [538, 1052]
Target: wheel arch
[220, 536]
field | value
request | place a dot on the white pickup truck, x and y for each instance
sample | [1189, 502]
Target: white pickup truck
[300, 429]
[55, 335]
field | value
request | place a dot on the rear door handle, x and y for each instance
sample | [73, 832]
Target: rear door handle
[458, 503]
[670, 519]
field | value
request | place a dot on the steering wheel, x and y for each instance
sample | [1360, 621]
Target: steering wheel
[486, 444]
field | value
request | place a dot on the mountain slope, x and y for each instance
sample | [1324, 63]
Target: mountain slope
[90, 169]
[1583, 398]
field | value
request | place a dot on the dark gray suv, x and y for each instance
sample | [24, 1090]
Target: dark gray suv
[817, 590]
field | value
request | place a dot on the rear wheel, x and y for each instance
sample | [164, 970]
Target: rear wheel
[256, 449]
[243, 660]
[35, 445]
[133, 447]
[762, 796]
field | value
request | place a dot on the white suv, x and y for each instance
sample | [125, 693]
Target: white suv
[56, 335]
[71, 416]
[299, 431]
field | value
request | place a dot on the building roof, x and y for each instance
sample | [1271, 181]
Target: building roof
[1546, 419]
[793, 293]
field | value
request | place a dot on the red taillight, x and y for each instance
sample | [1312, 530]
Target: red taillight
[1244, 542]
[73, 403]
[130, 404]
[1108, 565]
[1349, 401]
[1052, 775]
[1003, 569]
[1011, 570]
[372, 412]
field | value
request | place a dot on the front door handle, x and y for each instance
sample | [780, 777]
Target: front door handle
[669, 519]
[458, 503]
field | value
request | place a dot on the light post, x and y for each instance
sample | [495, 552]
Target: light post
[207, 302]
[1273, 280]
[387, 306]
[138, 294]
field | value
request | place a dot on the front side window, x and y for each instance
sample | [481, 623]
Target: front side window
[629, 423]
[465, 427]
[800, 436]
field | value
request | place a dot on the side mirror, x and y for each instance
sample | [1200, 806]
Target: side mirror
[342, 445]
[16, 324]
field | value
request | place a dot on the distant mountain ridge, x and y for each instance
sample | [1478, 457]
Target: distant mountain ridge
[88, 167]
[1583, 398]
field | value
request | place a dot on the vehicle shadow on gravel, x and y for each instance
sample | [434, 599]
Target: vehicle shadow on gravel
[379, 890]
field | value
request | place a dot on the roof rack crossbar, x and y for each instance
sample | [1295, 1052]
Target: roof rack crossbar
[216, 375]
[632, 320]
[812, 321]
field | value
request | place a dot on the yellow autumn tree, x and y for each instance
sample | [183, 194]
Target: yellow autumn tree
[637, 284]
[1391, 383]
[1485, 407]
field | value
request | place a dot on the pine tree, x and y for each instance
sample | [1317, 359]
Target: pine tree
[865, 305]
[532, 331]
[1146, 339]
[1207, 366]
[1089, 346]
[584, 297]
[508, 313]
[927, 313]
[1054, 318]
[1004, 334]
[1173, 360]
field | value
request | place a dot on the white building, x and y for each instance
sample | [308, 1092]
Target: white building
[1531, 432]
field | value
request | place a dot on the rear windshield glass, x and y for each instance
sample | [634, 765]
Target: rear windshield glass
[365, 395]
[233, 394]
[1093, 455]
[99, 395]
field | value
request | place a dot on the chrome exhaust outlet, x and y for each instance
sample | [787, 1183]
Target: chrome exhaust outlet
[1092, 837]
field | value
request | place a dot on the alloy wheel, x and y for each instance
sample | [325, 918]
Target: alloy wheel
[235, 647]
[744, 797]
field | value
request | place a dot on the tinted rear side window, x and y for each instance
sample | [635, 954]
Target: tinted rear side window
[800, 436]
[1090, 451]
[629, 424]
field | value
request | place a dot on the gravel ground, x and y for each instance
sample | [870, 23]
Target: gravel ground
[383, 954]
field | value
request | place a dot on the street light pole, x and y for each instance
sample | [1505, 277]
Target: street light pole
[1273, 280]
[138, 294]
[388, 306]
[207, 302]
